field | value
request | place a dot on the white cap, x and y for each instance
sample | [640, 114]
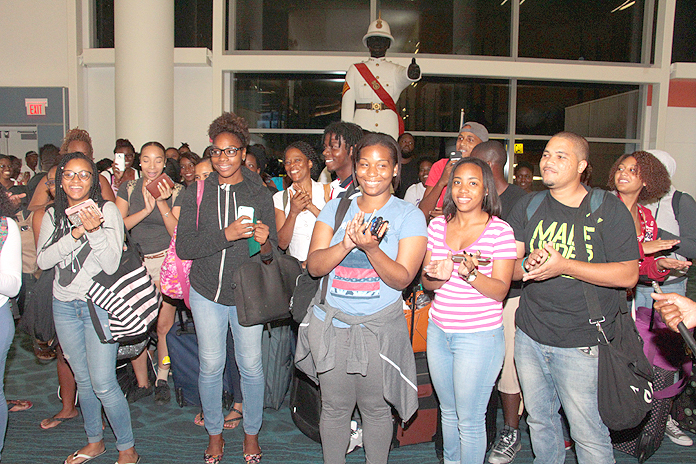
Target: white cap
[666, 159]
[378, 28]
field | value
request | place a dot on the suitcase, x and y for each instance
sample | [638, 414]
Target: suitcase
[278, 351]
[183, 351]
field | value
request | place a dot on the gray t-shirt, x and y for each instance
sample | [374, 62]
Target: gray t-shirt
[150, 233]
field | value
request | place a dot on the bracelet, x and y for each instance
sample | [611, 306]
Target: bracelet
[524, 261]
[93, 230]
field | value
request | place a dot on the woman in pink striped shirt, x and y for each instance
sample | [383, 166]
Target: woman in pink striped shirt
[471, 254]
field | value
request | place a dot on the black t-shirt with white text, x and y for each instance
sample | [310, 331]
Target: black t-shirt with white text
[554, 312]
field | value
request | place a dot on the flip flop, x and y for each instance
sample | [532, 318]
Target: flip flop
[234, 422]
[19, 405]
[60, 420]
[199, 420]
[136, 462]
[85, 457]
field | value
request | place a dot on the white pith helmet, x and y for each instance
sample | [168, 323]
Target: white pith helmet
[379, 28]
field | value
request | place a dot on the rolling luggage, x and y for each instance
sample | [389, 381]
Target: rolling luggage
[183, 351]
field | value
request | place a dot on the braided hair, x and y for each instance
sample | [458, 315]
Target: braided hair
[61, 223]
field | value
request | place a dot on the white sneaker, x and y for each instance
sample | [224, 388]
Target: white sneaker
[355, 437]
[676, 434]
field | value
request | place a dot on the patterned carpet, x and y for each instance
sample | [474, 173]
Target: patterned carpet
[166, 434]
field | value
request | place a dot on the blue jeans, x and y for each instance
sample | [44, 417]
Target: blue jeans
[7, 330]
[94, 366]
[552, 377]
[464, 368]
[211, 321]
[643, 292]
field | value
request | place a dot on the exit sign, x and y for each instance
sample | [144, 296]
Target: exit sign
[36, 106]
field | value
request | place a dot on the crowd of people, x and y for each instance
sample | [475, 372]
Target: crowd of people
[499, 260]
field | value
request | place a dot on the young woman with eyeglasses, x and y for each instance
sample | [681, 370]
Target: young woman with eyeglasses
[230, 238]
[79, 253]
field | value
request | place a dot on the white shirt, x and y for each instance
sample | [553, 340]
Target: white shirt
[414, 194]
[304, 223]
[10, 263]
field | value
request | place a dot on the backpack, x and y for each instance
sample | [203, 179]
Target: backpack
[596, 200]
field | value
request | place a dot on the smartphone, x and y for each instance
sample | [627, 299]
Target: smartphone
[120, 161]
[152, 186]
[455, 156]
[73, 211]
[246, 211]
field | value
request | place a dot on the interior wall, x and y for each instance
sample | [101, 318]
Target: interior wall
[193, 90]
[34, 43]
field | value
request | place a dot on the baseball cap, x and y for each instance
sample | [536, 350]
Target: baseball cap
[479, 130]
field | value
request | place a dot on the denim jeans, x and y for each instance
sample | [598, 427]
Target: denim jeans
[552, 377]
[212, 320]
[464, 368]
[7, 330]
[94, 366]
[643, 292]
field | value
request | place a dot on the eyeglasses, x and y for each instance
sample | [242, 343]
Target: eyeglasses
[230, 152]
[51, 183]
[82, 175]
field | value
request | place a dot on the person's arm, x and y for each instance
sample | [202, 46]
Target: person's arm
[286, 225]
[348, 100]
[265, 231]
[48, 256]
[36, 224]
[518, 270]
[622, 274]
[496, 286]
[132, 220]
[107, 241]
[11, 261]
[675, 308]
[106, 190]
[170, 220]
[436, 183]
[41, 197]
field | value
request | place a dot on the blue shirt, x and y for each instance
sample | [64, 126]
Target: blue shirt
[354, 286]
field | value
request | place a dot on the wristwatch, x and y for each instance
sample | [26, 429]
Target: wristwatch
[472, 275]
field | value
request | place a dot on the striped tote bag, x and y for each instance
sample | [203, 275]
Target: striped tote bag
[129, 296]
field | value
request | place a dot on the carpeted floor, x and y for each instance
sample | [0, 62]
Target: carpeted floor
[166, 434]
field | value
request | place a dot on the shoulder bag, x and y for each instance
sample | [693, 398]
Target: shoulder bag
[624, 383]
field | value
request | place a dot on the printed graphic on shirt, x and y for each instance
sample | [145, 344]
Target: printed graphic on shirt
[562, 237]
[355, 277]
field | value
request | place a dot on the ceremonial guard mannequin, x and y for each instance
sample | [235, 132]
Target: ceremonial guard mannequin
[373, 86]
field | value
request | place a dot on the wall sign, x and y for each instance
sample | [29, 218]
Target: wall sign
[36, 106]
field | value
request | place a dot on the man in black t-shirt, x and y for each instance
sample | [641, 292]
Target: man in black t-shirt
[556, 348]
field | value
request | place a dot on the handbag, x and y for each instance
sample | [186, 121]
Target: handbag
[129, 296]
[262, 291]
[624, 381]
[306, 286]
[37, 319]
[174, 275]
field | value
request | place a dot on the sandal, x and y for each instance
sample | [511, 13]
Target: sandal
[253, 458]
[230, 424]
[60, 420]
[19, 405]
[214, 458]
[199, 420]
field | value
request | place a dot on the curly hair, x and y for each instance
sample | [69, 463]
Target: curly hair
[77, 135]
[650, 170]
[61, 223]
[232, 124]
[310, 154]
[491, 201]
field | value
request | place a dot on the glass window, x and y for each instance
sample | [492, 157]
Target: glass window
[594, 31]
[460, 27]
[683, 49]
[591, 110]
[306, 25]
[304, 101]
[602, 157]
[193, 23]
